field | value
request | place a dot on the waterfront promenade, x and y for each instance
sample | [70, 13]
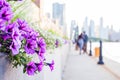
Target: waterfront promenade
[84, 67]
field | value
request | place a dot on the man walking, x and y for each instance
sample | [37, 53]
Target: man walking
[85, 39]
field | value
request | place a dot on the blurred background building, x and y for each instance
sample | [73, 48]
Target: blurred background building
[59, 16]
[56, 20]
[100, 31]
[85, 26]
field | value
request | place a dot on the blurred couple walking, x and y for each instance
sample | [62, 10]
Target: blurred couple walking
[81, 42]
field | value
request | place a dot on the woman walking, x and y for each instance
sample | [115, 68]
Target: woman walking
[80, 42]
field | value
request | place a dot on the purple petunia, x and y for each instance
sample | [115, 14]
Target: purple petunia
[15, 46]
[41, 56]
[39, 66]
[15, 33]
[41, 42]
[2, 25]
[51, 65]
[25, 30]
[6, 13]
[23, 25]
[42, 49]
[5, 36]
[10, 31]
[57, 43]
[30, 46]
[10, 27]
[41, 45]
[3, 3]
[31, 68]
[32, 35]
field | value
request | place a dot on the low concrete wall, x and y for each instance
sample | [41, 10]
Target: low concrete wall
[7, 72]
[64, 55]
[59, 55]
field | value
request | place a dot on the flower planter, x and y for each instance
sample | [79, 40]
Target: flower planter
[3, 65]
[7, 72]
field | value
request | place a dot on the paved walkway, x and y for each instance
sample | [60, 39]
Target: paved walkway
[84, 67]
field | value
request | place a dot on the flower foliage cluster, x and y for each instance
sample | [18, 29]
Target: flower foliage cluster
[52, 40]
[20, 42]
[49, 39]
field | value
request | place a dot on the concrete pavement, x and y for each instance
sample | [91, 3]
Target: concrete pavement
[84, 67]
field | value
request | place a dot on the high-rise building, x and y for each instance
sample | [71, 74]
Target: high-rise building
[91, 29]
[103, 32]
[59, 13]
[113, 35]
[101, 28]
[85, 26]
[76, 33]
[73, 24]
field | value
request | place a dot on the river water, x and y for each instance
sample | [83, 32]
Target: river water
[110, 50]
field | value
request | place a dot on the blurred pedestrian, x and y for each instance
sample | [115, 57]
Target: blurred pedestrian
[85, 39]
[80, 42]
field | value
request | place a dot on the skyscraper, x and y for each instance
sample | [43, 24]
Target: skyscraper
[85, 26]
[91, 29]
[103, 32]
[59, 16]
[59, 13]
[73, 25]
[101, 28]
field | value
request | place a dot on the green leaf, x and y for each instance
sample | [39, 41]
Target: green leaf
[24, 69]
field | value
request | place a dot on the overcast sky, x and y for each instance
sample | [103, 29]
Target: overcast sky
[93, 9]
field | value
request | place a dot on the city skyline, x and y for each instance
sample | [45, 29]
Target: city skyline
[98, 31]
[93, 9]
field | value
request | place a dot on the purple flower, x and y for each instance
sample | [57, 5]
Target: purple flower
[15, 46]
[31, 68]
[41, 45]
[11, 31]
[42, 49]
[3, 3]
[6, 13]
[23, 26]
[30, 46]
[5, 36]
[41, 56]
[56, 43]
[39, 66]
[24, 29]
[15, 33]
[32, 35]
[51, 65]
[10, 27]
[2, 25]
